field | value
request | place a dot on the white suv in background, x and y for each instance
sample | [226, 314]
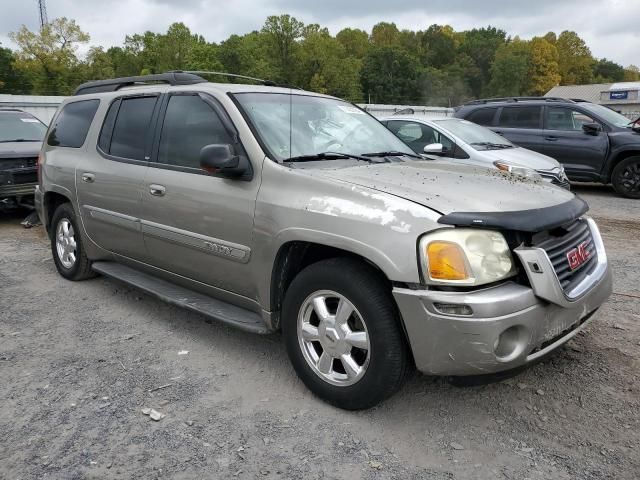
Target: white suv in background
[469, 143]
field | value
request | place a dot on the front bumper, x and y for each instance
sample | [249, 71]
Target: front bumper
[18, 182]
[511, 325]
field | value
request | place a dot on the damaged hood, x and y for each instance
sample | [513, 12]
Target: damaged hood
[448, 188]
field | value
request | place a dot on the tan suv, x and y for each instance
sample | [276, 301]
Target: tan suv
[272, 209]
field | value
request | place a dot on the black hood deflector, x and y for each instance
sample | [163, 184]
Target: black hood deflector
[534, 220]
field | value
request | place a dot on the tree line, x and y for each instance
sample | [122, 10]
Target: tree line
[436, 66]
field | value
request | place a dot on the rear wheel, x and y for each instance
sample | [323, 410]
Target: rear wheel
[66, 245]
[625, 177]
[343, 335]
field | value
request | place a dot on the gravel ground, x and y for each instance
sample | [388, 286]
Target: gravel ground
[78, 363]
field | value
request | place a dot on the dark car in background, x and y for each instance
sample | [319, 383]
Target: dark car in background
[21, 136]
[594, 143]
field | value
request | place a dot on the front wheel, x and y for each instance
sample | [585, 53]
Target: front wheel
[625, 177]
[342, 334]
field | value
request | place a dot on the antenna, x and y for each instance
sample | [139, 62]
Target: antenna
[42, 6]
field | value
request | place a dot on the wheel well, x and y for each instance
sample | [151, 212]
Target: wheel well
[292, 258]
[620, 157]
[52, 200]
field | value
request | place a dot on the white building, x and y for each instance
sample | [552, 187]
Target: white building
[42, 107]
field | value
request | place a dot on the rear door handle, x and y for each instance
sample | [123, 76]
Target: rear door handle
[157, 190]
[88, 177]
[551, 138]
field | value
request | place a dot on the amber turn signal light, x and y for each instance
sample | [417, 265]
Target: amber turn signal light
[446, 261]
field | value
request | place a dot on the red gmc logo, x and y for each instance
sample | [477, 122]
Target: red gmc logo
[578, 256]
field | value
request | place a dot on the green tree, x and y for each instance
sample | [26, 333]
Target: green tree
[510, 69]
[631, 74]
[481, 44]
[282, 34]
[354, 41]
[605, 71]
[385, 34]
[249, 54]
[439, 45]
[390, 75]
[11, 80]
[543, 72]
[575, 62]
[47, 57]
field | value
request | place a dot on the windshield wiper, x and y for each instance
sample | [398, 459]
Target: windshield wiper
[392, 153]
[326, 156]
[19, 140]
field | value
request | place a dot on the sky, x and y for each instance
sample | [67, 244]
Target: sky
[611, 28]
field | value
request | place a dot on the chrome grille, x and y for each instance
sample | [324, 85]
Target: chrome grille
[564, 241]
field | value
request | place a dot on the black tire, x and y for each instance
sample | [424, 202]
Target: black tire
[361, 285]
[81, 268]
[625, 177]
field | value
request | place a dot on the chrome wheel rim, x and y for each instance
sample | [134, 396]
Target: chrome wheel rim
[66, 243]
[334, 338]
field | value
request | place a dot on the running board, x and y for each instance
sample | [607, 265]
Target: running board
[183, 297]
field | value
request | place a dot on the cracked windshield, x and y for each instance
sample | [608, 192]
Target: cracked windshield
[293, 126]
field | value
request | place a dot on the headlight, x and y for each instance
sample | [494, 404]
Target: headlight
[563, 175]
[465, 256]
[517, 170]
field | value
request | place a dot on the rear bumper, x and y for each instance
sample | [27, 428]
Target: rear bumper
[506, 326]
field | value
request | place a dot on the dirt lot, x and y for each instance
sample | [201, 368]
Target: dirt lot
[78, 363]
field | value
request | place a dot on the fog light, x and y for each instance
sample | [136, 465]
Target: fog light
[453, 309]
[511, 343]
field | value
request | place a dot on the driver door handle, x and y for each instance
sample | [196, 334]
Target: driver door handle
[157, 190]
[551, 138]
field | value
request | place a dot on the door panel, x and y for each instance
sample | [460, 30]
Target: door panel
[196, 224]
[201, 228]
[110, 204]
[110, 180]
[580, 153]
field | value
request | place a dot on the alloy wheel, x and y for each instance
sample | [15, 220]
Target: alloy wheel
[66, 243]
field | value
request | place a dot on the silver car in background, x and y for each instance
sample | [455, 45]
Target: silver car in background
[471, 144]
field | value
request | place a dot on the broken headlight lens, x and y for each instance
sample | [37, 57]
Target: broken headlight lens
[518, 170]
[465, 256]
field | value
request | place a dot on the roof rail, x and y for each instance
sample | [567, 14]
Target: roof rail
[519, 99]
[113, 84]
[268, 83]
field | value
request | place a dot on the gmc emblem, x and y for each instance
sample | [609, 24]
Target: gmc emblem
[578, 256]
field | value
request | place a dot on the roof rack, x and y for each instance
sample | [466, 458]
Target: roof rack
[113, 84]
[268, 83]
[405, 111]
[520, 99]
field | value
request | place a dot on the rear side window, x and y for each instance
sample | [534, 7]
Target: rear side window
[482, 116]
[72, 124]
[189, 124]
[520, 117]
[130, 127]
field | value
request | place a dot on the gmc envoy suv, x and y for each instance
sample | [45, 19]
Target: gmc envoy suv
[594, 143]
[275, 209]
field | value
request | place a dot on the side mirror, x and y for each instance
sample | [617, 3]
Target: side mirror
[434, 148]
[221, 158]
[591, 128]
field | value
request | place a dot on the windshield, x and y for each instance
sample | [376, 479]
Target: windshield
[607, 114]
[19, 127]
[480, 138]
[299, 125]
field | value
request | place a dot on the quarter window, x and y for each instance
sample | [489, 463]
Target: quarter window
[130, 129]
[482, 116]
[189, 124]
[559, 118]
[520, 117]
[72, 124]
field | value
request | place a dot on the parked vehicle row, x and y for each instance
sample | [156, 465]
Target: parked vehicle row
[594, 143]
[467, 143]
[274, 209]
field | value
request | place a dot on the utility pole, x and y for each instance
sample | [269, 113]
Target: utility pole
[42, 6]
